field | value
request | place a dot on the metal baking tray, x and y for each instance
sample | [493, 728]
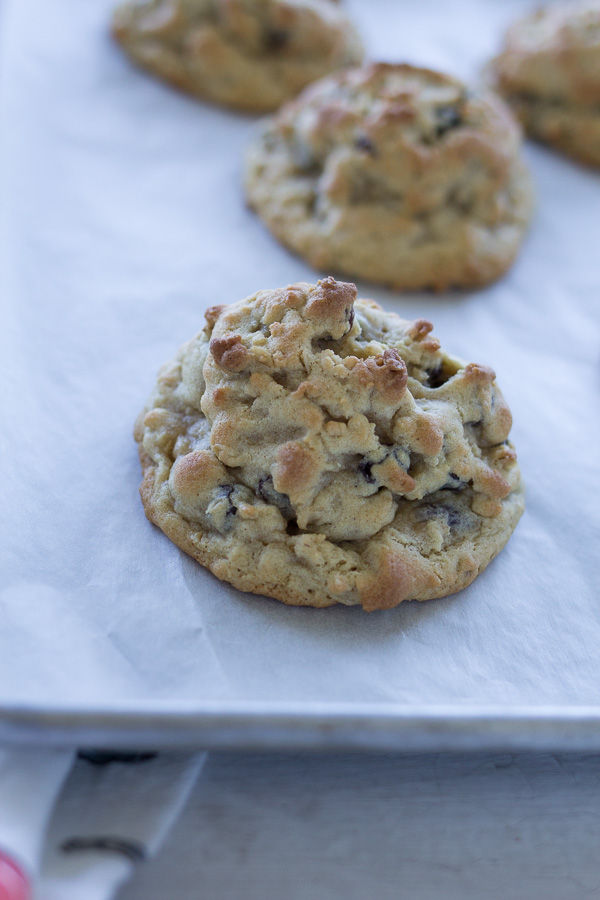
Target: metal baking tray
[122, 219]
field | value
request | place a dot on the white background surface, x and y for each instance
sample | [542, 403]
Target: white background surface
[122, 220]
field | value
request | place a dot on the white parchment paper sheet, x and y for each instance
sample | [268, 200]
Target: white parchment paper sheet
[122, 219]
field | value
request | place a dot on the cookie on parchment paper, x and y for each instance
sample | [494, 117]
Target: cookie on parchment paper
[248, 54]
[549, 72]
[394, 174]
[315, 448]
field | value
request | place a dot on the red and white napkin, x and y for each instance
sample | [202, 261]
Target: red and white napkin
[76, 829]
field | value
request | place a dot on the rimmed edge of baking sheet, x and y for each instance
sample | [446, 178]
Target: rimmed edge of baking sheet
[255, 726]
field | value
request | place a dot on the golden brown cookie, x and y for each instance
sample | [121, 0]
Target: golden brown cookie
[549, 72]
[394, 174]
[249, 54]
[317, 449]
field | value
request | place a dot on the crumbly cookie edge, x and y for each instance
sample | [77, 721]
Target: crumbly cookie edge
[176, 529]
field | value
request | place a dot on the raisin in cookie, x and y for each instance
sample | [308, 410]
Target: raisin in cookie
[315, 448]
[249, 54]
[549, 71]
[394, 174]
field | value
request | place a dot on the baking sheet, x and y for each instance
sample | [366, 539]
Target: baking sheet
[122, 220]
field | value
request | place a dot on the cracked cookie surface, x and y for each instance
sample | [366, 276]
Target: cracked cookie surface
[549, 72]
[394, 174]
[315, 448]
[248, 54]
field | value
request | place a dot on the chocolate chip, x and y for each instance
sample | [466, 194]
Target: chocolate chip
[453, 516]
[430, 511]
[276, 39]
[267, 492]
[226, 490]
[433, 377]
[446, 118]
[437, 377]
[364, 467]
[402, 457]
[365, 144]
[454, 483]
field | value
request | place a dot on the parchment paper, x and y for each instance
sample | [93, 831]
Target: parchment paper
[122, 219]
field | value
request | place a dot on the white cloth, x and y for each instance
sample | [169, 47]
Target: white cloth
[29, 784]
[110, 816]
[123, 811]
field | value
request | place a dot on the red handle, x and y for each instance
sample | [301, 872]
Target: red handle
[13, 882]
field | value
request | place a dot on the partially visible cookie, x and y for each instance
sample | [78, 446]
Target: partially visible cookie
[317, 449]
[549, 71]
[248, 54]
[394, 174]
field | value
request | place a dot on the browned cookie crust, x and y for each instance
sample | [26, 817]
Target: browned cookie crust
[394, 174]
[249, 54]
[549, 71]
[315, 448]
